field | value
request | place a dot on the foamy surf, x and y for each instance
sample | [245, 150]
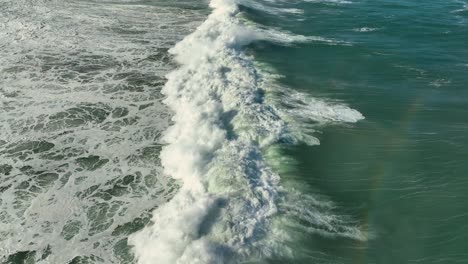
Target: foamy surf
[229, 195]
[81, 119]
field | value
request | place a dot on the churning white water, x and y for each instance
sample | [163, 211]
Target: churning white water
[229, 195]
[108, 137]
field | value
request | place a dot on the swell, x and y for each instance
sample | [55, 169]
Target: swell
[229, 198]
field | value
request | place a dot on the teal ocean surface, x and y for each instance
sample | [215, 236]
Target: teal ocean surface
[233, 131]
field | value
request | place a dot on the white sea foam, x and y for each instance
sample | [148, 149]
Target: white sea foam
[271, 9]
[221, 124]
[463, 9]
[286, 38]
[365, 29]
[80, 141]
[302, 106]
[81, 118]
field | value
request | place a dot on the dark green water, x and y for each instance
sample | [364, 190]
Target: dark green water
[401, 172]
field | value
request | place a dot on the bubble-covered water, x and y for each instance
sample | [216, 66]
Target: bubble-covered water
[89, 88]
[81, 119]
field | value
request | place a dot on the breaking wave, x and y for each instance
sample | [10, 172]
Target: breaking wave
[230, 202]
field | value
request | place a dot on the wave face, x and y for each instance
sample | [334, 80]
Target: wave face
[230, 199]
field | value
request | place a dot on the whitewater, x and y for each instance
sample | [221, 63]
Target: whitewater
[229, 195]
[119, 147]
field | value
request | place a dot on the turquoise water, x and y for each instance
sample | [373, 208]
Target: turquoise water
[318, 131]
[401, 172]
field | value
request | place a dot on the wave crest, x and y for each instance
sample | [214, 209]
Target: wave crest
[221, 124]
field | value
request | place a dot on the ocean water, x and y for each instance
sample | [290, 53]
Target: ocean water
[233, 131]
